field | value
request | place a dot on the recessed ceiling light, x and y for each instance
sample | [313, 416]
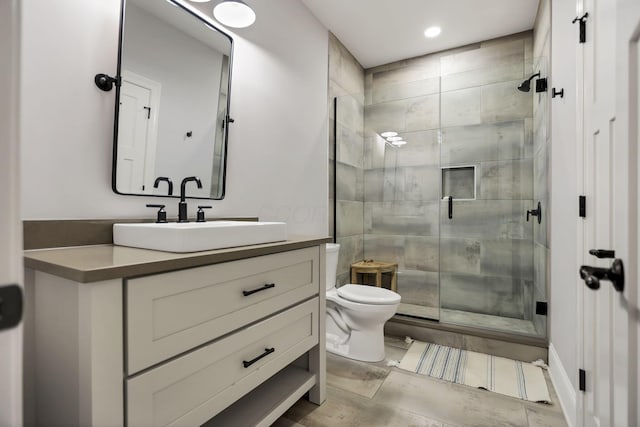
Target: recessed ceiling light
[234, 13]
[432, 32]
[388, 134]
[399, 143]
[394, 138]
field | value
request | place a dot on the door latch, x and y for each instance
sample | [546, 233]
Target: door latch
[583, 26]
[10, 306]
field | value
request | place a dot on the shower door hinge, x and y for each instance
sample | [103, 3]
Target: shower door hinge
[541, 308]
[582, 206]
[582, 380]
[582, 20]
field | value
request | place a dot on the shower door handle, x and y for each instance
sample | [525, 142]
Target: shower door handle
[450, 207]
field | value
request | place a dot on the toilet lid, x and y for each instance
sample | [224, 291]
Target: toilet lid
[368, 294]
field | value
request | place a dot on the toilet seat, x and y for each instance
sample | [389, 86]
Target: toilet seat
[368, 295]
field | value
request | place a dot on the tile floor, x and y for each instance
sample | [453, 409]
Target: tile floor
[374, 395]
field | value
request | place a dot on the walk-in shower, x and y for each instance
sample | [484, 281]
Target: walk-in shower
[441, 167]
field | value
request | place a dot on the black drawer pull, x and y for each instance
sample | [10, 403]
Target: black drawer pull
[267, 351]
[264, 288]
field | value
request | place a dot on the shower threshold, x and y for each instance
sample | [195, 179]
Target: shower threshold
[470, 319]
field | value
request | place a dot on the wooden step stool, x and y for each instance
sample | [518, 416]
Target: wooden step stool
[377, 268]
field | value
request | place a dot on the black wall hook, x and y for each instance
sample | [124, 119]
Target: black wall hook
[105, 82]
[559, 93]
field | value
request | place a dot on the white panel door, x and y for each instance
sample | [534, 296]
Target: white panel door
[609, 181]
[10, 223]
[137, 133]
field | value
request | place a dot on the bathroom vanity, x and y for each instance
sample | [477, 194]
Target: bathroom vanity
[135, 337]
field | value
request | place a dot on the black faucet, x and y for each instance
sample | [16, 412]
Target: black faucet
[182, 206]
[167, 180]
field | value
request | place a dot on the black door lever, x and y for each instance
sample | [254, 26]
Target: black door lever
[603, 253]
[593, 275]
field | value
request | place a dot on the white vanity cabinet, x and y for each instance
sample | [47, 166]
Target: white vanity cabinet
[234, 343]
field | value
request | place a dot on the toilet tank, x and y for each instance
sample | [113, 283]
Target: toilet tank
[333, 250]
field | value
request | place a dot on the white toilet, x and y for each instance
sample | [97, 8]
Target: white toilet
[356, 315]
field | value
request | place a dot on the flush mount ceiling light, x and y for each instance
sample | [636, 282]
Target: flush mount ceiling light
[432, 32]
[388, 134]
[399, 143]
[234, 13]
[394, 138]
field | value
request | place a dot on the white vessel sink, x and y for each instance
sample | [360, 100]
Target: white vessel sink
[198, 236]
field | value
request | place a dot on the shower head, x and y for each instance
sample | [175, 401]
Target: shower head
[525, 86]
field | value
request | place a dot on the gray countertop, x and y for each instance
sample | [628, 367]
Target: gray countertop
[86, 264]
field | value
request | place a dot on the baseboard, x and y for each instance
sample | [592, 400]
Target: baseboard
[563, 386]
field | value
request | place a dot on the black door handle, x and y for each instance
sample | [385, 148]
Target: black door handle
[603, 253]
[593, 275]
[450, 207]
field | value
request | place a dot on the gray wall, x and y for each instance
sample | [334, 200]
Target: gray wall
[458, 107]
[67, 129]
[346, 84]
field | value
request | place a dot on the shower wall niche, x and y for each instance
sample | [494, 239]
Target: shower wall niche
[448, 201]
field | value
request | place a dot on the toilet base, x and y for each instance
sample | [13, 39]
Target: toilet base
[363, 345]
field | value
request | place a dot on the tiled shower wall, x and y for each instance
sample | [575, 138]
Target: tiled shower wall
[541, 150]
[346, 83]
[455, 108]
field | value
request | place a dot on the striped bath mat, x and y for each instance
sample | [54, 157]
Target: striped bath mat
[498, 374]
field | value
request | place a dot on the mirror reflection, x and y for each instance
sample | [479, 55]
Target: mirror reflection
[172, 108]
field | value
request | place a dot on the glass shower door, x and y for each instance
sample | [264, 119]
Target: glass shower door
[487, 276]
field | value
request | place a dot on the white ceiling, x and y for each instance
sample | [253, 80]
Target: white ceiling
[377, 32]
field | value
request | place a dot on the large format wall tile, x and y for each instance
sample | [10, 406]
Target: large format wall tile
[350, 145]
[350, 112]
[488, 219]
[422, 149]
[351, 250]
[507, 257]
[419, 287]
[387, 116]
[422, 253]
[374, 151]
[420, 183]
[405, 90]
[410, 71]
[350, 183]
[503, 102]
[485, 142]
[486, 57]
[344, 69]
[461, 107]
[509, 179]
[401, 218]
[499, 296]
[422, 113]
[349, 218]
[460, 255]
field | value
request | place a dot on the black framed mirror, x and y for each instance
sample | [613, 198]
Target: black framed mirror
[173, 88]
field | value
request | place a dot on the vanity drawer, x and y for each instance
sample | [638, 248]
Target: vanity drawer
[193, 388]
[169, 314]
